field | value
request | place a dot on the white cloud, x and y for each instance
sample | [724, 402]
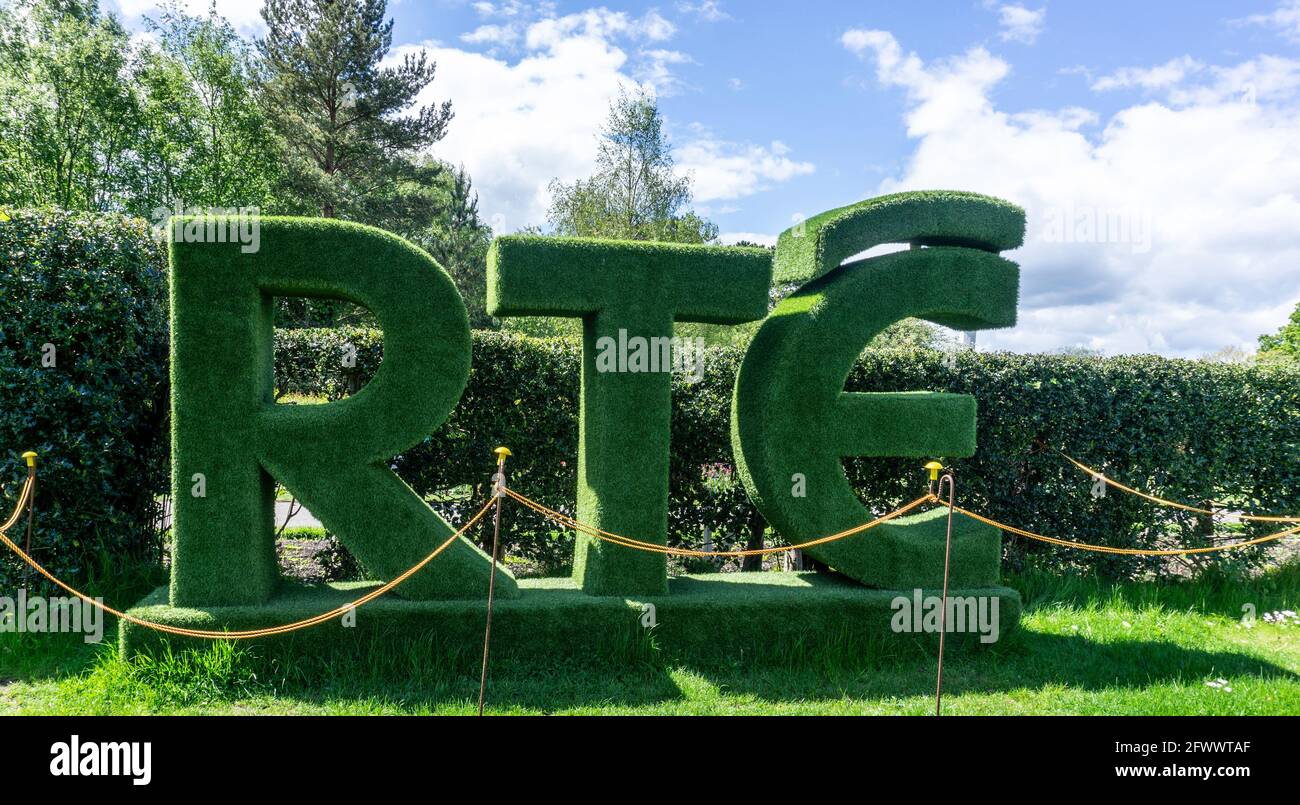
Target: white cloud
[1020, 24]
[706, 10]
[502, 35]
[655, 28]
[599, 23]
[1265, 78]
[244, 15]
[1162, 76]
[1170, 226]
[944, 93]
[520, 122]
[513, 8]
[729, 170]
[656, 70]
[516, 27]
[1285, 18]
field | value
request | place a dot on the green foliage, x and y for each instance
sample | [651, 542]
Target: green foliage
[230, 437]
[204, 138]
[792, 422]
[459, 239]
[342, 115]
[524, 393]
[634, 195]
[93, 289]
[71, 115]
[1083, 646]
[1283, 346]
[93, 122]
[1185, 430]
[625, 293]
[313, 555]
[911, 334]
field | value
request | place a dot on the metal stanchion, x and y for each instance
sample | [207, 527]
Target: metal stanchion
[499, 482]
[934, 467]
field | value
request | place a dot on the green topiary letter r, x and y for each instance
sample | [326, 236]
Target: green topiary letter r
[231, 442]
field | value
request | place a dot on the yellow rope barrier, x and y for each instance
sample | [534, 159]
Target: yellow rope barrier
[1128, 551]
[629, 542]
[222, 634]
[1259, 518]
[24, 500]
[23, 496]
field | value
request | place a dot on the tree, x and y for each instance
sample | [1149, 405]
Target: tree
[206, 141]
[911, 334]
[92, 122]
[348, 147]
[70, 112]
[635, 194]
[459, 239]
[17, 174]
[1230, 354]
[1078, 351]
[1284, 345]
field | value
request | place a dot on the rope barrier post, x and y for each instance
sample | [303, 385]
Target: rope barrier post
[934, 469]
[30, 458]
[498, 492]
[947, 561]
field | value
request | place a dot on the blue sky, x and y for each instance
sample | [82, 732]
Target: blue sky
[1154, 145]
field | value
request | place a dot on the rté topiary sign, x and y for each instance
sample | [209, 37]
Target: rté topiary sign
[792, 421]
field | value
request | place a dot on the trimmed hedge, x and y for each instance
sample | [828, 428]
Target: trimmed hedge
[92, 287]
[1186, 430]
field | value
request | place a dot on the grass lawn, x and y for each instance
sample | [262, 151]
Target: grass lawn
[1085, 647]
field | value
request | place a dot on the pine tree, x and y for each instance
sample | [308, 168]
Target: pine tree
[349, 147]
[458, 239]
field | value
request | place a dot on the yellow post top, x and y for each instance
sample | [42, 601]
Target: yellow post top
[502, 453]
[30, 458]
[934, 467]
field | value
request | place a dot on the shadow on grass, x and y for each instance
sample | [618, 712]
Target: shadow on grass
[1029, 660]
[423, 676]
[39, 657]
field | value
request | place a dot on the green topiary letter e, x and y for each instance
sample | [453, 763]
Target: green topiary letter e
[230, 440]
[628, 293]
[792, 421]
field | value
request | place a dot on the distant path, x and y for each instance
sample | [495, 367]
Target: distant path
[302, 519]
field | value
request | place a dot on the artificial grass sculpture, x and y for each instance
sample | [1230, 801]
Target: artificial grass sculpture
[231, 442]
[626, 294]
[792, 421]
[792, 424]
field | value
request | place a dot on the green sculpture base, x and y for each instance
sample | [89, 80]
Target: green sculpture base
[750, 617]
